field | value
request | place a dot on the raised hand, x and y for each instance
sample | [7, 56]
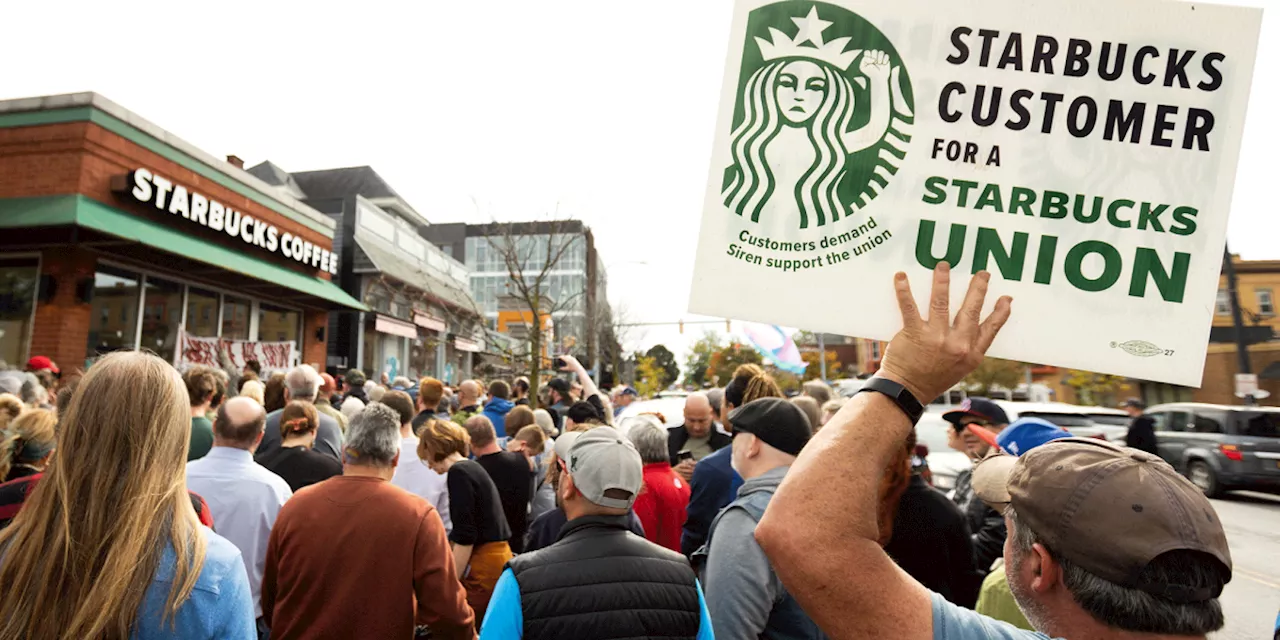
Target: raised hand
[928, 357]
[874, 65]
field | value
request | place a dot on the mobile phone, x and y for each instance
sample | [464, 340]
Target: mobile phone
[560, 363]
[684, 455]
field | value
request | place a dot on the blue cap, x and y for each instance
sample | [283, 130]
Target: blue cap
[1029, 433]
[630, 391]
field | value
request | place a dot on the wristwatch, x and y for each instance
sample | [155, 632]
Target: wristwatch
[898, 393]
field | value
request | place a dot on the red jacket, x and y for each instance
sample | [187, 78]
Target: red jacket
[661, 505]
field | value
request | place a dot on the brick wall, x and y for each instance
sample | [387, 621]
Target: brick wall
[1219, 383]
[61, 328]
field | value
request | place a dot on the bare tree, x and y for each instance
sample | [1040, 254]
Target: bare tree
[531, 252]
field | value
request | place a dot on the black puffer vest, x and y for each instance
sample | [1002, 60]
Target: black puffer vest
[601, 582]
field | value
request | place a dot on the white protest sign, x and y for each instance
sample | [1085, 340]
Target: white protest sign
[273, 356]
[1082, 152]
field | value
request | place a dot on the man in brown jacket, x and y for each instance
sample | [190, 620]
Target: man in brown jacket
[344, 552]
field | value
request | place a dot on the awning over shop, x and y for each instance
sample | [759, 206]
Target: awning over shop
[394, 327]
[84, 212]
[462, 344]
[386, 261]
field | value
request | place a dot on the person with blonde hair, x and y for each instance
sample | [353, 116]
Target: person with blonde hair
[133, 562]
[295, 460]
[27, 444]
[480, 530]
[11, 407]
[254, 390]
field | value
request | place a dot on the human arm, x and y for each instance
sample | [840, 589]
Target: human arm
[235, 603]
[707, 493]
[874, 65]
[589, 387]
[741, 588]
[504, 618]
[442, 602]
[805, 538]
[462, 557]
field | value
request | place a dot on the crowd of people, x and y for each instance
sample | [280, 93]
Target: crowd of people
[142, 503]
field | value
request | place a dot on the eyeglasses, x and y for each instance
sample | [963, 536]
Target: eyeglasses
[980, 423]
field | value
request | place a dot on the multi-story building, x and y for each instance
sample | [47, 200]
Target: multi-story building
[562, 254]
[422, 321]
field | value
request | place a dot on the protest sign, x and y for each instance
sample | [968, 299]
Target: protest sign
[1082, 152]
[273, 356]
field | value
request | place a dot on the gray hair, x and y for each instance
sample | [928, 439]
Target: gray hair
[818, 390]
[303, 383]
[649, 437]
[373, 437]
[716, 398]
[401, 381]
[1131, 609]
[543, 419]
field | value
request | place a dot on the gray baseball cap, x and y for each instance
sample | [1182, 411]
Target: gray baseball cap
[602, 459]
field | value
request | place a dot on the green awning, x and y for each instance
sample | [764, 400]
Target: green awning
[54, 211]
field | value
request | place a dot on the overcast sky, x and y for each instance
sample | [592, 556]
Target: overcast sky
[480, 110]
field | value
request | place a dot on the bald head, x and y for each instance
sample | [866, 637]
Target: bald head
[239, 423]
[468, 393]
[697, 415]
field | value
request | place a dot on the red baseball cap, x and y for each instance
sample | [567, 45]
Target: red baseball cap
[36, 363]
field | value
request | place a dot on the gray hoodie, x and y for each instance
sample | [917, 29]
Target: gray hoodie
[742, 591]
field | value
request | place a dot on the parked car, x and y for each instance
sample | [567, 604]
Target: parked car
[1081, 421]
[1220, 447]
[944, 462]
[670, 407]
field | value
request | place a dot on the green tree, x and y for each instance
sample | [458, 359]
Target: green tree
[724, 361]
[699, 359]
[667, 362]
[1096, 388]
[648, 376]
[994, 372]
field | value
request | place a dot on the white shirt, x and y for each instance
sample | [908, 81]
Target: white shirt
[244, 499]
[413, 475]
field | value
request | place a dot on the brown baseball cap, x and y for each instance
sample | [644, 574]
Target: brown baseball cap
[1109, 509]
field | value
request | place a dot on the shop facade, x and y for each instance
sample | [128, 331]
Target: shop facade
[421, 319]
[115, 234]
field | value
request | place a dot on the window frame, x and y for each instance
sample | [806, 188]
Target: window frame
[1271, 301]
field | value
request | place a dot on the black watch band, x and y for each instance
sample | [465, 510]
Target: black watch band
[898, 393]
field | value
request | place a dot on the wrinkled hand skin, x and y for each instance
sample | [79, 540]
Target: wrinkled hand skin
[929, 357]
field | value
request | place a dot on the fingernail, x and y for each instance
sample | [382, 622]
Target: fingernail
[944, 266]
[900, 276]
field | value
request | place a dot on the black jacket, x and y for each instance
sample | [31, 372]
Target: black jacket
[1142, 435]
[678, 436]
[931, 542]
[987, 526]
[600, 581]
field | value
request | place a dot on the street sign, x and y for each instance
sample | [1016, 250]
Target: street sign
[1246, 385]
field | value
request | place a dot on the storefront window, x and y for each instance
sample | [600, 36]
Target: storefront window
[18, 280]
[202, 313]
[235, 319]
[113, 323]
[161, 317]
[276, 324]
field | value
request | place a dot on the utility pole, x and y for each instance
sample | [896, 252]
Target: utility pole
[822, 355]
[1237, 319]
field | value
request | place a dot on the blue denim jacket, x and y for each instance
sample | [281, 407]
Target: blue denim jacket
[220, 605]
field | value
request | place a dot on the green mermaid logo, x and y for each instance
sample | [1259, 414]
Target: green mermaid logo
[818, 130]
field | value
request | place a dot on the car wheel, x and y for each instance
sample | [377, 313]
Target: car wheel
[1201, 475]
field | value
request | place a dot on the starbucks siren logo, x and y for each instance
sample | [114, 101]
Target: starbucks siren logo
[818, 129]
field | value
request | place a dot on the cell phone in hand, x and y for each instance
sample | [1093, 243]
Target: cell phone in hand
[560, 363]
[684, 455]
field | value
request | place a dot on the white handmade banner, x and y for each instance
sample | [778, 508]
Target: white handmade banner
[273, 356]
[1082, 152]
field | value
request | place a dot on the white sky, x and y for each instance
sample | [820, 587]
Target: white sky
[479, 110]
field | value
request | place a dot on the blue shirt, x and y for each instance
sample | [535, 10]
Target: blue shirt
[951, 622]
[712, 488]
[220, 605]
[505, 617]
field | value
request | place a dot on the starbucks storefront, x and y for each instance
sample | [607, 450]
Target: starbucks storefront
[116, 235]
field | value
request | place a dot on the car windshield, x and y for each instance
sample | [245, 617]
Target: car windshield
[1109, 420]
[1261, 425]
[933, 434]
[1060, 419]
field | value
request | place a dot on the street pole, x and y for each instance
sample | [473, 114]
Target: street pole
[1237, 319]
[822, 356]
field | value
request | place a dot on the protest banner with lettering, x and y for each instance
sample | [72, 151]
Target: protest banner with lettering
[1082, 152]
[273, 356]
